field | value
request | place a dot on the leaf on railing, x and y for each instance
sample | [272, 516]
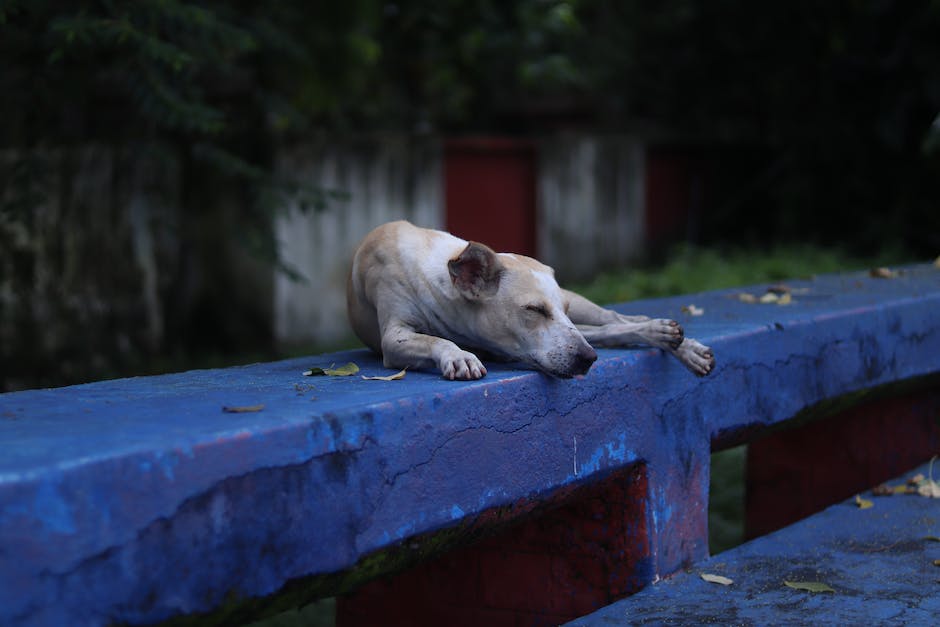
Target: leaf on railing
[716, 579]
[882, 273]
[345, 370]
[926, 486]
[241, 409]
[809, 586]
[883, 489]
[391, 377]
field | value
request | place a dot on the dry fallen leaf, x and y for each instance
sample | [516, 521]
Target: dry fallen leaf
[241, 409]
[391, 377]
[692, 310]
[769, 297]
[918, 478]
[927, 487]
[809, 586]
[744, 297]
[883, 489]
[882, 273]
[936, 262]
[779, 288]
[785, 299]
[936, 562]
[717, 579]
[862, 503]
[932, 538]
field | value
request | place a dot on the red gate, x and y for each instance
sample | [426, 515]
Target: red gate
[489, 191]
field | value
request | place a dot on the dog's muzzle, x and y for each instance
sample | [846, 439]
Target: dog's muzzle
[583, 361]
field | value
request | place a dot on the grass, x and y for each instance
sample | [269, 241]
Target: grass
[691, 269]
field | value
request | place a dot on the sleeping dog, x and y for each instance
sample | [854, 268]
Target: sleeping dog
[426, 299]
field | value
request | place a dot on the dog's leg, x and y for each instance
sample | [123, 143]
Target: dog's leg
[403, 347]
[606, 328]
[695, 356]
[661, 333]
[583, 311]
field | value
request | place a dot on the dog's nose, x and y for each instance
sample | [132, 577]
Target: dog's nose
[583, 360]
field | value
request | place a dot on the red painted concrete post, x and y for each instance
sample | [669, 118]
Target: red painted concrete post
[794, 473]
[551, 568]
[489, 190]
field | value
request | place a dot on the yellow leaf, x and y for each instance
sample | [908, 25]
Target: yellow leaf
[343, 371]
[744, 297]
[936, 562]
[716, 579]
[785, 299]
[809, 586]
[862, 503]
[769, 297]
[391, 377]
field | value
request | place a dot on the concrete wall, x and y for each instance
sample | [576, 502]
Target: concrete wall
[590, 204]
[384, 178]
[590, 196]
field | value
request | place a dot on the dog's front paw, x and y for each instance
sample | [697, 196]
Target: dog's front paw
[664, 333]
[460, 364]
[696, 357]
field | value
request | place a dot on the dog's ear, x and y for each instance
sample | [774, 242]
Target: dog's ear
[476, 271]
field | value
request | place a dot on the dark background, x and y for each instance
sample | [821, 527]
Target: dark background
[818, 122]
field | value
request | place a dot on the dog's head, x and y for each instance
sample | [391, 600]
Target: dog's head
[519, 312]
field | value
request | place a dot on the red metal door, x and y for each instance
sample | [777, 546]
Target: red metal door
[489, 191]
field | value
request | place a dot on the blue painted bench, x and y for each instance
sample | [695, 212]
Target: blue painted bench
[521, 498]
[880, 565]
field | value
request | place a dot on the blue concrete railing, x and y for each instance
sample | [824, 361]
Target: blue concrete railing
[878, 564]
[140, 499]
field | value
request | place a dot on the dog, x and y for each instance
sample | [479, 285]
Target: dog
[426, 299]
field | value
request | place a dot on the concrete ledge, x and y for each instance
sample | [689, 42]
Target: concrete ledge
[139, 499]
[879, 561]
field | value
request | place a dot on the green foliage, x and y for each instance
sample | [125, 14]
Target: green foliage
[693, 269]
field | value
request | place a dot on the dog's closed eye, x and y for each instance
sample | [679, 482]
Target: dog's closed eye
[539, 309]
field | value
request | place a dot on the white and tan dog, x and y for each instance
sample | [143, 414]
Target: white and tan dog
[417, 296]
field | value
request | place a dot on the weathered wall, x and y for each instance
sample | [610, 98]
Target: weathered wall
[114, 260]
[590, 203]
[384, 178]
[80, 261]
